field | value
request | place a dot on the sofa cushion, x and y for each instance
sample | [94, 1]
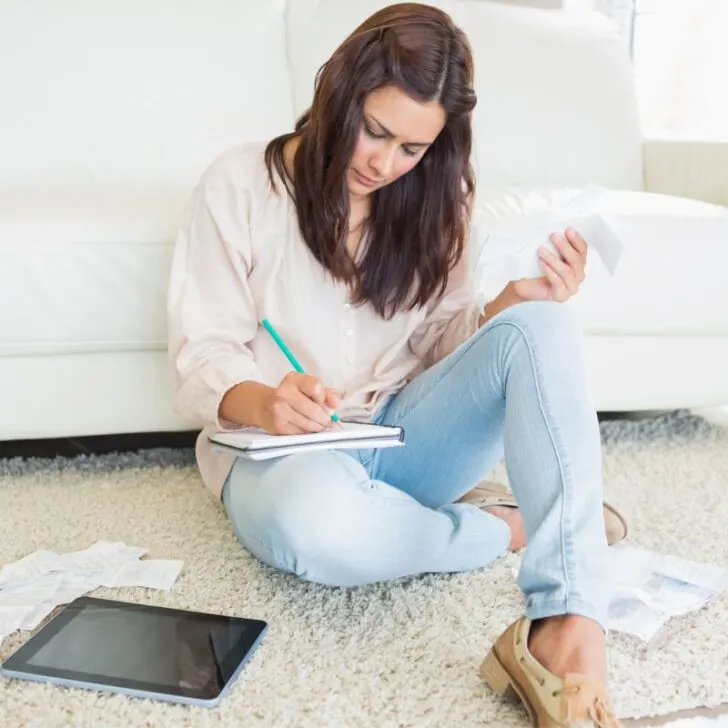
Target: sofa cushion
[556, 101]
[69, 298]
[114, 111]
[670, 279]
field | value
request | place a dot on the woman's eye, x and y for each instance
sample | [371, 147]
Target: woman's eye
[371, 133]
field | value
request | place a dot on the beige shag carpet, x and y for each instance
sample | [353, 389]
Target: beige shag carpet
[398, 654]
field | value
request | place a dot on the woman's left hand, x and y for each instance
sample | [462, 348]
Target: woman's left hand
[562, 274]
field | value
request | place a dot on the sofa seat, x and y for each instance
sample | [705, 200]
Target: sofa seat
[97, 295]
[83, 297]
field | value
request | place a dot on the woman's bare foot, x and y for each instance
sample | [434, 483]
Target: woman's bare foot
[512, 516]
[570, 644]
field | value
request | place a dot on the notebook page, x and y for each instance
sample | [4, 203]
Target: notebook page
[255, 439]
[269, 453]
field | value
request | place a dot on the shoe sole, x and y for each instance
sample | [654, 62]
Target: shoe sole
[622, 522]
[499, 680]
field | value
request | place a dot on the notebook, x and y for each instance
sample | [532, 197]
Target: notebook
[259, 445]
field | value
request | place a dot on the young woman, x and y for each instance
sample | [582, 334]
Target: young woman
[352, 236]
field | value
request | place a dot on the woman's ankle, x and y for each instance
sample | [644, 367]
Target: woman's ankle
[570, 644]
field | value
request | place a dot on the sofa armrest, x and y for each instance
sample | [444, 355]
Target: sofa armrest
[688, 168]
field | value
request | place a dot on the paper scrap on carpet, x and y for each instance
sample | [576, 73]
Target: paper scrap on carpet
[31, 588]
[650, 588]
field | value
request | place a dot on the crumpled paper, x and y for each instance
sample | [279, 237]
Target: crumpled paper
[31, 588]
[510, 246]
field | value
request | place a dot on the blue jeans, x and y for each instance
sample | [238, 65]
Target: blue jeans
[517, 387]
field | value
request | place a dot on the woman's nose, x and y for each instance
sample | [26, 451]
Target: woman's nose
[383, 163]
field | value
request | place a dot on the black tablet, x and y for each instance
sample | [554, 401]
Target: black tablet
[144, 651]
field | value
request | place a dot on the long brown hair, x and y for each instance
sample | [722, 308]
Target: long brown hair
[417, 224]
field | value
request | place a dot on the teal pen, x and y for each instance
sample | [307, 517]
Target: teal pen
[289, 354]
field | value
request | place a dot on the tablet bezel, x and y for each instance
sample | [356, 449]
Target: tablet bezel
[17, 664]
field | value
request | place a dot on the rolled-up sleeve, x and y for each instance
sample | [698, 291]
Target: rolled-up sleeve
[211, 311]
[455, 315]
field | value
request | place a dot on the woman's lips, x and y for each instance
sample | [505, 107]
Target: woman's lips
[366, 181]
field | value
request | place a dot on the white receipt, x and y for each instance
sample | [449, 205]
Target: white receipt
[34, 586]
[648, 589]
[154, 574]
[520, 238]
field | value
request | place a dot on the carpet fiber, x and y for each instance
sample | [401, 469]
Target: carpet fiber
[398, 654]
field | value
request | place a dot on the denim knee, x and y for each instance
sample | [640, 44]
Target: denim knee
[546, 326]
[544, 318]
[304, 517]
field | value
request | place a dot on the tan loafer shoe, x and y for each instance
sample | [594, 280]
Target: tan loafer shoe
[552, 702]
[494, 494]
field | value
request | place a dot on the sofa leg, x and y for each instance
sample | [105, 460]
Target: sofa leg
[715, 415]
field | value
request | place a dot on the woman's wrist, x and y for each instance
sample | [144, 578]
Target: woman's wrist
[505, 299]
[243, 404]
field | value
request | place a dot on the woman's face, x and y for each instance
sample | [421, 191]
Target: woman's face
[396, 131]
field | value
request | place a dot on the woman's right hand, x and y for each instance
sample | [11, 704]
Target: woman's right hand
[299, 404]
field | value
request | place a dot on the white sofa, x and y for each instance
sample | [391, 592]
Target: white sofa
[112, 112]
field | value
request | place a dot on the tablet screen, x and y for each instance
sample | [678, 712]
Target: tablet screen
[140, 647]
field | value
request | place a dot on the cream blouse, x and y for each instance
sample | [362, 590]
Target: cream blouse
[239, 258]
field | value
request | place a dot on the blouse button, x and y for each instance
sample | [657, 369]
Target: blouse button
[349, 332]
